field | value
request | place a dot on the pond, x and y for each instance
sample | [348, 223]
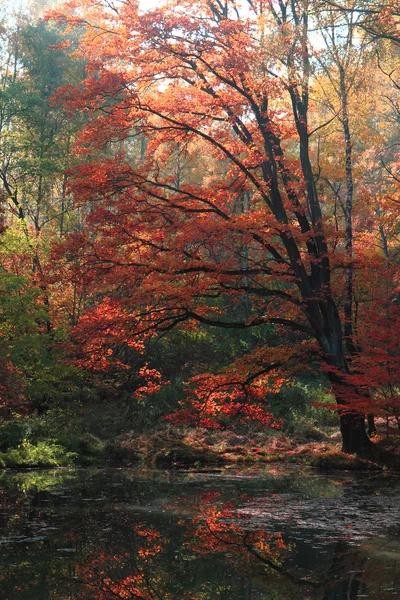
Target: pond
[278, 533]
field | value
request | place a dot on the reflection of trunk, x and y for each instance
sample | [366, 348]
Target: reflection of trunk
[352, 566]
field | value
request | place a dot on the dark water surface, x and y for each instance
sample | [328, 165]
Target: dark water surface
[273, 534]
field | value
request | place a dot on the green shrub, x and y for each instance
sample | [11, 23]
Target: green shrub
[33, 429]
[12, 433]
[297, 403]
[122, 450]
[44, 454]
[92, 445]
[304, 431]
[321, 415]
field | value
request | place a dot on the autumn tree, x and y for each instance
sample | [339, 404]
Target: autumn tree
[228, 81]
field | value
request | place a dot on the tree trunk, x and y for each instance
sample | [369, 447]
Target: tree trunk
[354, 436]
[348, 210]
[352, 424]
[371, 425]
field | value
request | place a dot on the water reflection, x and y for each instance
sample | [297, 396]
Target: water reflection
[273, 535]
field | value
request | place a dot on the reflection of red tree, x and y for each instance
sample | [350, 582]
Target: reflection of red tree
[218, 528]
[106, 576]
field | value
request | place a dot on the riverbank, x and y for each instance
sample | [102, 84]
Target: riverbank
[173, 447]
[198, 448]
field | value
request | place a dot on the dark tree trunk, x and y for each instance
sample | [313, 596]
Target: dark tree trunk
[371, 425]
[352, 424]
[354, 436]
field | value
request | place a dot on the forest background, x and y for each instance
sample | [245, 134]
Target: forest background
[199, 238]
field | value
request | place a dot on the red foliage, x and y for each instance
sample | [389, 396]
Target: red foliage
[214, 219]
[11, 388]
[214, 401]
[121, 575]
[220, 527]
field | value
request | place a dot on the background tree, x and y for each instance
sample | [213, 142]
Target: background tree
[34, 150]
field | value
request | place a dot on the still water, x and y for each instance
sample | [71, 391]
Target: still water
[273, 534]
